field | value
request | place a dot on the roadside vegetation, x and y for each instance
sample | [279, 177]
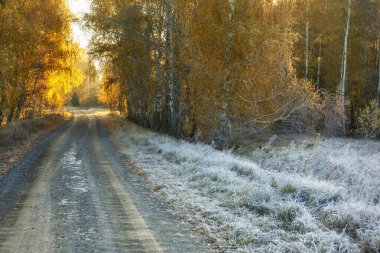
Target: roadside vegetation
[264, 97]
[310, 196]
[18, 137]
[276, 89]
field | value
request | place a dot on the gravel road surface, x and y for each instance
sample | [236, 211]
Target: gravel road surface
[72, 193]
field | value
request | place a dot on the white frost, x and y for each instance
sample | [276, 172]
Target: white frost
[302, 199]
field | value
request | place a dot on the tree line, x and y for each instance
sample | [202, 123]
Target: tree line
[37, 57]
[226, 70]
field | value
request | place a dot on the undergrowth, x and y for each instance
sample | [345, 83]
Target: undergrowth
[293, 199]
[18, 131]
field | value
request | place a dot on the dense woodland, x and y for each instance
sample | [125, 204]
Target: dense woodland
[87, 91]
[225, 70]
[38, 58]
[215, 70]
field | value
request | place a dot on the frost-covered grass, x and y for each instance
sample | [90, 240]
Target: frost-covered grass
[354, 164]
[298, 199]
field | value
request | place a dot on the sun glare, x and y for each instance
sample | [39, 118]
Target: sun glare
[79, 8]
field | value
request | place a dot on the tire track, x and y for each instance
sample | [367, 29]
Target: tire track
[79, 197]
[31, 231]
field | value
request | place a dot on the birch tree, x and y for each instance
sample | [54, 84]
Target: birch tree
[222, 70]
[320, 49]
[307, 39]
[344, 66]
[157, 116]
[378, 86]
[378, 59]
[171, 65]
[225, 124]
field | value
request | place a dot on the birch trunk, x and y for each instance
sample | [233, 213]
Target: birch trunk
[320, 49]
[344, 67]
[170, 59]
[224, 122]
[2, 103]
[148, 37]
[319, 61]
[378, 58]
[34, 98]
[158, 95]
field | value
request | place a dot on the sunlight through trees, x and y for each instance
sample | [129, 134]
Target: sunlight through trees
[38, 57]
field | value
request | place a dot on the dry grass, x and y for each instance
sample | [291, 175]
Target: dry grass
[18, 137]
[289, 199]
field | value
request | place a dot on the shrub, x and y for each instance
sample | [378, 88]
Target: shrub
[305, 113]
[333, 116]
[368, 121]
[14, 132]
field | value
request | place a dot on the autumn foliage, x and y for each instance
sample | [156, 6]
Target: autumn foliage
[185, 67]
[211, 70]
[38, 57]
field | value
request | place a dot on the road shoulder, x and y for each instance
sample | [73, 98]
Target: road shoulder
[196, 234]
[18, 139]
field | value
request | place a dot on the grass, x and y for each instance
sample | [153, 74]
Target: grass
[18, 137]
[18, 131]
[291, 198]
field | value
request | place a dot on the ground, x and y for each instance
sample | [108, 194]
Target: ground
[315, 195]
[71, 193]
[74, 192]
[18, 137]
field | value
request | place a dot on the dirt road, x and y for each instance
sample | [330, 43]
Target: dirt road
[73, 194]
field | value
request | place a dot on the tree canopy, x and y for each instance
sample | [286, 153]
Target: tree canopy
[221, 70]
[38, 57]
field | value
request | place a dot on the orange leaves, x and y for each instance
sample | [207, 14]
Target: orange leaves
[38, 55]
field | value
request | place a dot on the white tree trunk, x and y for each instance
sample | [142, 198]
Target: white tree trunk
[232, 9]
[158, 96]
[319, 61]
[344, 66]
[378, 57]
[170, 59]
[320, 47]
[224, 118]
[224, 122]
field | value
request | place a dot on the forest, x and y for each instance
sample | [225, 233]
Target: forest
[214, 71]
[38, 57]
[190, 126]
[223, 71]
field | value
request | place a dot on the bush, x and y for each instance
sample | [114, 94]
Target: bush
[303, 113]
[14, 132]
[333, 119]
[368, 121]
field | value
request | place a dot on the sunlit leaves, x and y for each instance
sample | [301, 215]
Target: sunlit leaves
[39, 57]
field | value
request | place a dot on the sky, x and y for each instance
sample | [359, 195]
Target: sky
[80, 7]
